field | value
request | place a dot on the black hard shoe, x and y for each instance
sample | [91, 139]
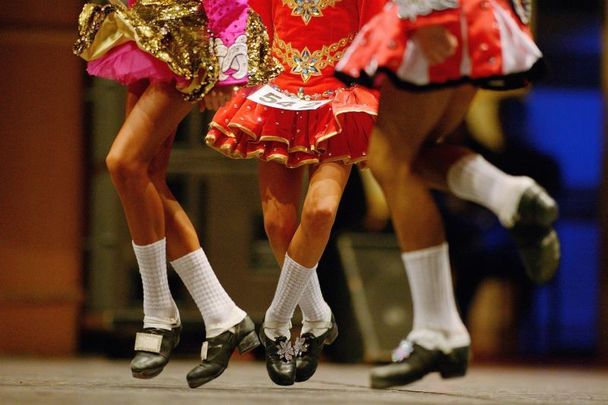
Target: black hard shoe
[153, 349]
[280, 359]
[308, 351]
[534, 236]
[216, 352]
[419, 363]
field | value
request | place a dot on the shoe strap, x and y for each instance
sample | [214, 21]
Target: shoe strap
[204, 349]
[148, 342]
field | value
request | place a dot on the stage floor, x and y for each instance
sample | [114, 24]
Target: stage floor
[102, 381]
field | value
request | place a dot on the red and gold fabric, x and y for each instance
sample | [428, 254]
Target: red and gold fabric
[309, 37]
[495, 45]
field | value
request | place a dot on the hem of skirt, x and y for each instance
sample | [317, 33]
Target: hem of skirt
[498, 82]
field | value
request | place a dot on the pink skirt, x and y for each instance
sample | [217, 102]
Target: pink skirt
[127, 64]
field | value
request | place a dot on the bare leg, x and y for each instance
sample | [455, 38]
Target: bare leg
[406, 121]
[152, 120]
[394, 147]
[280, 192]
[298, 273]
[325, 190]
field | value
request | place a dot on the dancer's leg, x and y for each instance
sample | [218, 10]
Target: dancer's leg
[280, 189]
[394, 149]
[153, 111]
[325, 189]
[152, 119]
[280, 194]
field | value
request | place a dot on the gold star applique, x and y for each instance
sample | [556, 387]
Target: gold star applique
[305, 64]
[307, 9]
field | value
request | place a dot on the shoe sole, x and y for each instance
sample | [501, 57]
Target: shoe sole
[147, 374]
[193, 383]
[455, 368]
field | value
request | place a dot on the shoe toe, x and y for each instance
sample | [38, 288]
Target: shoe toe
[539, 249]
[203, 373]
[536, 207]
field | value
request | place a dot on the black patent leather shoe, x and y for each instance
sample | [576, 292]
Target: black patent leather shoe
[216, 352]
[536, 240]
[308, 350]
[419, 363]
[280, 359]
[153, 348]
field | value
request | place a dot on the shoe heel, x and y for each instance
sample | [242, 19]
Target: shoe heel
[332, 336]
[249, 342]
[456, 363]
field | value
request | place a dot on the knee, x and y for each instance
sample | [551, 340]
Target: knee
[319, 215]
[389, 171]
[279, 228]
[124, 170]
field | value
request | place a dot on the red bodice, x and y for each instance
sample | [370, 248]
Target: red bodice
[309, 37]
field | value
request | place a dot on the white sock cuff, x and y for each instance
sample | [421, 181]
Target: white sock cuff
[162, 243]
[234, 318]
[458, 169]
[289, 262]
[187, 260]
[425, 253]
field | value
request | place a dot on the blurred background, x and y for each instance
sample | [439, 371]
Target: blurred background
[68, 279]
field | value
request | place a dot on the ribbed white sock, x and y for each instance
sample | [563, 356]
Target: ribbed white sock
[160, 310]
[315, 311]
[292, 283]
[475, 179]
[435, 313]
[219, 312]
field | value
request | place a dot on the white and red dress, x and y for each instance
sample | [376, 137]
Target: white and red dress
[495, 46]
[308, 38]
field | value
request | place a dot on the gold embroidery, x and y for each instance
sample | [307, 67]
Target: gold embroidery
[308, 8]
[307, 63]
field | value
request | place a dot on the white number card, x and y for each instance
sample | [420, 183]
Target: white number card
[273, 98]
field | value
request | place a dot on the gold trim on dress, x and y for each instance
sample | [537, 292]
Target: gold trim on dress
[307, 63]
[307, 9]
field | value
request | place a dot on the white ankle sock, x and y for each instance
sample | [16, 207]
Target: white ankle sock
[315, 311]
[475, 179]
[219, 312]
[292, 283]
[160, 310]
[435, 313]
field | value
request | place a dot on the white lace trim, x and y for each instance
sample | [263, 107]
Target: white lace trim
[410, 9]
[233, 57]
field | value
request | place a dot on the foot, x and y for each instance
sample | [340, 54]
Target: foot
[280, 358]
[216, 352]
[416, 361]
[308, 349]
[534, 236]
[153, 348]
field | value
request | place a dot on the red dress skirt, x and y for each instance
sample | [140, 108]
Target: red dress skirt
[308, 38]
[337, 131]
[495, 47]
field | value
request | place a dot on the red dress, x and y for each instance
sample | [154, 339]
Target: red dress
[495, 46]
[308, 38]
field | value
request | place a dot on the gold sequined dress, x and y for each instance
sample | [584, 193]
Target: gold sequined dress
[308, 37]
[195, 44]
